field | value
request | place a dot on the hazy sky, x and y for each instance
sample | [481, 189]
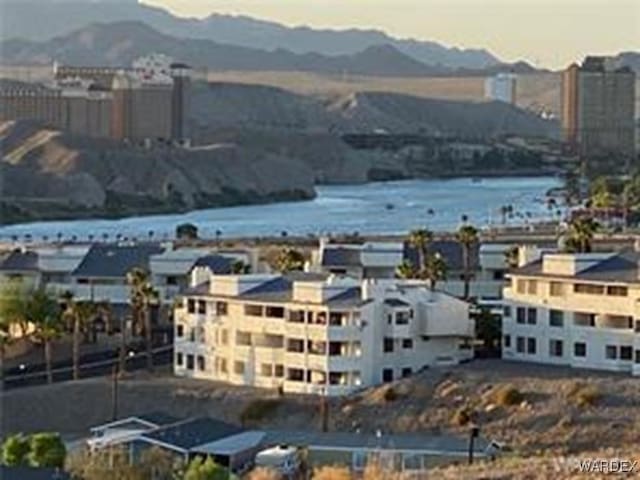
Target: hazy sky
[550, 33]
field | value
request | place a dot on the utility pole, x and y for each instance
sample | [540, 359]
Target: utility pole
[114, 392]
[473, 434]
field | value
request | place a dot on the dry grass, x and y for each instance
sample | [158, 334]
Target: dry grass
[584, 395]
[263, 473]
[507, 396]
[332, 472]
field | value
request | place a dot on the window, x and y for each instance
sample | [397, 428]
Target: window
[520, 344]
[532, 287]
[179, 330]
[224, 337]
[626, 353]
[406, 372]
[201, 363]
[498, 274]
[279, 371]
[582, 319]
[253, 310]
[266, 370]
[274, 312]
[190, 361]
[191, 305]
[532, 316]
[221, 308]
[521, 285]
[520, 314]
[531, 346]
[402, 318]
[579, 349]
[295, 345]
[556, 318]
[388, 345]
[611, 352]
[506, 311]
[296, 316]
[555, 348]
[222, 366]
[556, 289]
[588, 288]
[637, 360]
[179, 359]
[238, 367]
[617, 291]
[295, 374]
[507, 341]
[407, 343]
[387, 374]
[202, 307]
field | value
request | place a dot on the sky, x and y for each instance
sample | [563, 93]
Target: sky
[546, 33]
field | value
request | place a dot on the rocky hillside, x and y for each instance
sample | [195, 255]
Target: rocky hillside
[46, 173]
[221, 105]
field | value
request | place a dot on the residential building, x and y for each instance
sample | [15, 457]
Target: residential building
[381, 260]
[598, 107]
[237, 448]
[578, 310]
[316, 333]
[501, 87]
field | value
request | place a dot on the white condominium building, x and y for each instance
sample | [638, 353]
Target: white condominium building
[316, 333]
[579, 310]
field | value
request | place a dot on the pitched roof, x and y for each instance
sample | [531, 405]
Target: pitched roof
[278, 289]
[450, 250]
[18, 261]
[350, 297]
[190, 433]
[31, 473]
[394, 302]
[115, 260]
[341, 257]
[216, 263]
[622, 268]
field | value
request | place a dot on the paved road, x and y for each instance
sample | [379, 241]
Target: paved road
[91, 365]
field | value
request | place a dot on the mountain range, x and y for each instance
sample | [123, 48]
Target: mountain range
[119, 43]
[39, 20]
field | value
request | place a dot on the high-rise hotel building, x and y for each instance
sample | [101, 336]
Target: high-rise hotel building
[598, 103]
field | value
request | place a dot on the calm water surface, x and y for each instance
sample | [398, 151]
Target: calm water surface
[382, 208]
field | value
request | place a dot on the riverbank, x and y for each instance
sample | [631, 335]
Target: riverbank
[380, 208]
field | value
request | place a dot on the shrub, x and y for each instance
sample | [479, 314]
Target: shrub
[390, 395]
[331, 472]
[258, 410]
[15, 450]
[507, 395]
[47, 450]
[462, 416]
[584, 395]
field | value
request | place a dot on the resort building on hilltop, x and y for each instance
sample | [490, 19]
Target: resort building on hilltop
[316, 333]
[579, 310]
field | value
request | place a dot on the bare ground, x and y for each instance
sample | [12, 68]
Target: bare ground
[547, 422]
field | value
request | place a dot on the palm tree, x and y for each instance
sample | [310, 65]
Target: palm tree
[420, 239]
[580, 234]
[435, 269]
[151, 297]
[80, 314]
[406, 270]
[467, 236]
[289, 260]
[43, 313]
[511, 256]
[141, 298]
[5, 340]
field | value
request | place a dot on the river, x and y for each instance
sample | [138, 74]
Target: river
[374, 208]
